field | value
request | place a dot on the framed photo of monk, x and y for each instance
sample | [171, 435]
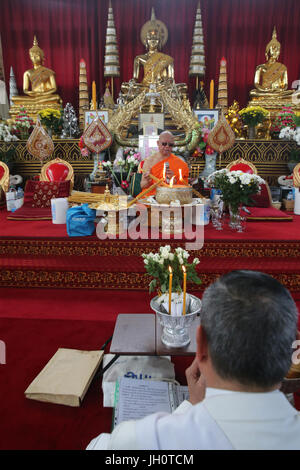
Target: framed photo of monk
[157, 120]
[91, 115]
[207, 117]
[149, 129]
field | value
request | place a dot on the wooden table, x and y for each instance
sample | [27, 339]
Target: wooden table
[140, 334]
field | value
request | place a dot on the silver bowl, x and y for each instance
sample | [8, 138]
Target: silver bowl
[176, 329]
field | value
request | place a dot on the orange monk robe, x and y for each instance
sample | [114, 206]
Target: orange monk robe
[175, 164]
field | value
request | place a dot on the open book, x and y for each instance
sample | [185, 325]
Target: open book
[136, 398]
[66, 378]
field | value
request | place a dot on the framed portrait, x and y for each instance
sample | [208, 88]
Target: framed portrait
[91, 115]
[149, 128]
[208, 117]
[154, 119]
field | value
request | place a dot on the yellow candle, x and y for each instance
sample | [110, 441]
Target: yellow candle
[164, 172]
[184, 290]
[211, 96]
[170, 288]
[94, 95]
[180, 174]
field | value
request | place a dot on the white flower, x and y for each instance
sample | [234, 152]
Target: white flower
[196, 261]
[171, 256]
[146, 261]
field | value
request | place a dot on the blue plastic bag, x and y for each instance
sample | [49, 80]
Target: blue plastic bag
[80, 221]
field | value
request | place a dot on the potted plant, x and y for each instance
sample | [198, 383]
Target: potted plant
[251, 116]
[52, 120]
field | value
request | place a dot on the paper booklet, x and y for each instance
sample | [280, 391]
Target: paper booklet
[66, 377]
[135, 398]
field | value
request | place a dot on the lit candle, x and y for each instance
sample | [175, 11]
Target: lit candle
[211, 96]
[172, 181]
[170, 288]
[180, 174]
[94, 95]
[184, 290]
[164, 172]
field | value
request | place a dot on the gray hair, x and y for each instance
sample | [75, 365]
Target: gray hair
[250, 321]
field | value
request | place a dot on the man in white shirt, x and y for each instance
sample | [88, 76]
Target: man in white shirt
[244, 350]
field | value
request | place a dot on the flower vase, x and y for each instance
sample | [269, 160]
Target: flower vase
[236, 221]
[251, 132]
[176, 327]
[210, 164]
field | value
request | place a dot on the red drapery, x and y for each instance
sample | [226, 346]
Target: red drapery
[68, 30]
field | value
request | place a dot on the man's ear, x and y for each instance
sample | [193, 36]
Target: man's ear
[202, 347]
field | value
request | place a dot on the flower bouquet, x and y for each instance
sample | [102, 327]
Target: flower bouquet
[284, 119]
[7, 133]
[52, 120]
[236, 190]
[124, 166]
[158, 264]
[23, 125]
[175, 309]
[253, 115]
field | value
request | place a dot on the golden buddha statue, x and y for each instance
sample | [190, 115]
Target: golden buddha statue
[271, 80]
[158, 68]
[39, 86]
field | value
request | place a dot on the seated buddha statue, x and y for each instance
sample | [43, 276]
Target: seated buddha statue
[157, 67]
[39, 86]
[271, 79]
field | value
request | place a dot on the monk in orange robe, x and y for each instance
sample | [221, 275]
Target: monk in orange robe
[155, 164]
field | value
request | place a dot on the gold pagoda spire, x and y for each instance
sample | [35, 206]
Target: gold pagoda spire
[222, 90]
[83, 93]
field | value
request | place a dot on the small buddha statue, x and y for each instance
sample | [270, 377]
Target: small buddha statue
[271, 79]
[39, 86]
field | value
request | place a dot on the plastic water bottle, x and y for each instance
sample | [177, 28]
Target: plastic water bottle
[20, 193]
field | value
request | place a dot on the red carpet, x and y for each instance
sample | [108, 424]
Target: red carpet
[28, 424]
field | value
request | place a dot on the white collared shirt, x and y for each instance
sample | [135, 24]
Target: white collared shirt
[224, 420]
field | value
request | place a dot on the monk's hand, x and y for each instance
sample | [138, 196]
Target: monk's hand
[169, 173]
[196, 383]
[147, 177]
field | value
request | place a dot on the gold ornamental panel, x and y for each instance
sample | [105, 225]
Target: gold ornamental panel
[269, 156]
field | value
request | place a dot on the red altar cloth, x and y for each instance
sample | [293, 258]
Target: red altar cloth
[256, 230]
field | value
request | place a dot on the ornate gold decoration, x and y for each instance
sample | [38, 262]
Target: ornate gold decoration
[46, 166]
[180, 117]
[243, 162]
[234, 119]
[83, 94]
[121, 118]
[40, 145]
[4, 180]
[222, 89]
[97, 137]
[154, 24]
[296, 176]
[222, 137]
